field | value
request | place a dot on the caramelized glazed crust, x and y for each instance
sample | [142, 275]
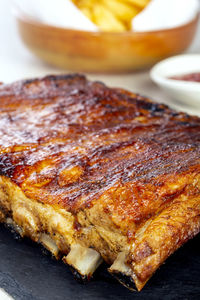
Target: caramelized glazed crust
[110, 155]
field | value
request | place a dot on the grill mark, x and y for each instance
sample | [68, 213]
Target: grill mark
[117, 137]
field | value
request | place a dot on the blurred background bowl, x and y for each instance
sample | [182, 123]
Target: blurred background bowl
[103, 51]
[185, 94]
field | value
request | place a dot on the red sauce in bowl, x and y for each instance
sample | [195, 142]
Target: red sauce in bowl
[195, 77]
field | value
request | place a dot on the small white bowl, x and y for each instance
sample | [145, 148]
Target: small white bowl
[185, 94]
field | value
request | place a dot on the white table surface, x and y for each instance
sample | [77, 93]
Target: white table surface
[16, 62]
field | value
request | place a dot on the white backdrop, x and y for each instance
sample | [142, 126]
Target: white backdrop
[17, 62]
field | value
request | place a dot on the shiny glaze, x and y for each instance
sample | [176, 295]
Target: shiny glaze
[71, 142]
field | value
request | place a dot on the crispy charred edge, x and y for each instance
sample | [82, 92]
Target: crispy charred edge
[48, 78]
[60, 77]
[125, 280]
[166, 233]
[83, 279]
[142, 101]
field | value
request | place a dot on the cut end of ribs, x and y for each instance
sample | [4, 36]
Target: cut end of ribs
[96, 173]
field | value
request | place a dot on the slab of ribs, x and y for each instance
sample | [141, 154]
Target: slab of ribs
[98, 174]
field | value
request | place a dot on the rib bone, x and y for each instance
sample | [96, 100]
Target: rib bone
[14, 226]
[49, 244]
[122, 272]
[84, 260]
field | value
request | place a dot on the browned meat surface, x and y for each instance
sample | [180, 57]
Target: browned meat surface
[87, 166]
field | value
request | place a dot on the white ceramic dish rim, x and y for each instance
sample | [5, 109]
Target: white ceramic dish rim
[162, 79]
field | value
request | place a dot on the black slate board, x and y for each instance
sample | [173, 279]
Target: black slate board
[27, 274]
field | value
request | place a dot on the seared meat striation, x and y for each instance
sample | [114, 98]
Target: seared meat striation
[93, 172]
